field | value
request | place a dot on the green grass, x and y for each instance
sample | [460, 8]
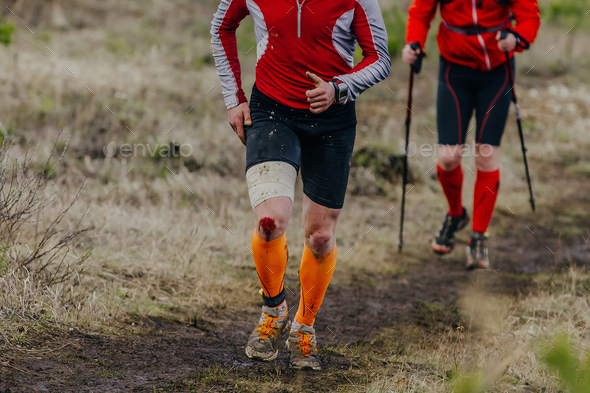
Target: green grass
[6, 30]
[563, 360]
[395, 23]
[565, 12]
[571, 366]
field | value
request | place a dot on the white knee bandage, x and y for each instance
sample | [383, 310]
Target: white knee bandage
[271, 179]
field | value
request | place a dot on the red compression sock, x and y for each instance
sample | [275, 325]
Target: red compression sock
[487, 186]
[452, 184]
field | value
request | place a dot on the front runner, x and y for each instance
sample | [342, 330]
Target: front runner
[305, 64]
[473, 75]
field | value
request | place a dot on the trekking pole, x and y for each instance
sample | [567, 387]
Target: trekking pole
[414, 69]
[503, 35]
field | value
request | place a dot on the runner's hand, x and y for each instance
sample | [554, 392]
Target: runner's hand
[508, 44]
[322, 96]
[239, 116]
[409, 55]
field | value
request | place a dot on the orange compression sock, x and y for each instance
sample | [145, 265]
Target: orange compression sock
[315, 273]
[270, 259]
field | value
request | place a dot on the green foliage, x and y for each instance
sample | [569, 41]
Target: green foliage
[553, 9]
[46, 104]
[561, 357]
[4, 258]
[6, 30]
[395, 23]
[381, 160]
[5, 133]
[115, 45]
[43, 36]
[246, 38]
[565, 12]
[470, 384]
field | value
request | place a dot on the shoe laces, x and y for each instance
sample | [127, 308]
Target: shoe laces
[446, 227]
[478, 246]
[306, 344]
[266, 328]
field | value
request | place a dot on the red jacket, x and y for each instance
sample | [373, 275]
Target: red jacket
[296, 36]
[476, 51]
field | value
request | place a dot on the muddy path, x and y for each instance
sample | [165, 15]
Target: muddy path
[169, 353]
[207, 354]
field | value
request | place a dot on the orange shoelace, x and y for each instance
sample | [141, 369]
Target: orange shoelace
[305, 343]
[267, 328]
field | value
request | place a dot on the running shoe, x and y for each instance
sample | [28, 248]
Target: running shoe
[263, 342]
[477, 251]
[303, 348]
[444, 242]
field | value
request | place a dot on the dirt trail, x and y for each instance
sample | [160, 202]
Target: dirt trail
[210, 352]
[174, 351]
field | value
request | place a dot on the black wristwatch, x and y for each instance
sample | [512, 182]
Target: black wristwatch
[340, 91]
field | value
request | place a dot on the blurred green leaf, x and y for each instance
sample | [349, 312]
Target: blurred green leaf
[6, 30]
[471, 384]
[561, 357]
[395, 23]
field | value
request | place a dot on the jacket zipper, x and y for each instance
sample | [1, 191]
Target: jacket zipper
[479, 37]
[299, 6]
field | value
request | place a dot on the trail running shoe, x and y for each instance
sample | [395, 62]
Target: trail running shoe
[273, 323]
[477, 251]
[444, 242]
[303, 348]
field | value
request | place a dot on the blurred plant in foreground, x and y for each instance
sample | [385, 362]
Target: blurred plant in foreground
[6, 30]
[562, 358]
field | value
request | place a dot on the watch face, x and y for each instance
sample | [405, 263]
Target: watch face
[343, 92]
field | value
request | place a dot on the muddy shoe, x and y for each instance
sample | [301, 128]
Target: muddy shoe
[444, 242]
[303, 348]
[477, 251]
[273, 323]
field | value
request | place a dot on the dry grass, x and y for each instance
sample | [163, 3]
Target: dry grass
[39, 264]
[170, 236]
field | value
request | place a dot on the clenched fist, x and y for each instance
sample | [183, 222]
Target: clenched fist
[322, 96]
[508, 44]
[410, 55]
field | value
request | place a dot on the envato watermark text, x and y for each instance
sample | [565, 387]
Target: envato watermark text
[427, 150]
[158, 150]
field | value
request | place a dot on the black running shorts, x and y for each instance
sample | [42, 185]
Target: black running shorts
[462, 89]
[321, 145]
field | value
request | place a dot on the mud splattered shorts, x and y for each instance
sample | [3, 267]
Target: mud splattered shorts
[320, 145]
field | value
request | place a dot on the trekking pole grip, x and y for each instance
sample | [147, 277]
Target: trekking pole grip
[417, 66]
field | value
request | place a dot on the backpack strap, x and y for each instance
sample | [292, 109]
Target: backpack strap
[475, 30]
[505, 3]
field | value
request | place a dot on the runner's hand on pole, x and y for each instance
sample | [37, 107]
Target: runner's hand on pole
[507, 44]
[239, 116]
[409, 55]
[322, 96]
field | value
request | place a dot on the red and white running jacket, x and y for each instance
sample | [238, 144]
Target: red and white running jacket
[296, 36]
[476, 51]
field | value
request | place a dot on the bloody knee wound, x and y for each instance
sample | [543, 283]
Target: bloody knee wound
[267, 225]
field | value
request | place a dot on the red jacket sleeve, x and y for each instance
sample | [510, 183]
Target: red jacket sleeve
[421, 13]
[225, 51]
[528, 18]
